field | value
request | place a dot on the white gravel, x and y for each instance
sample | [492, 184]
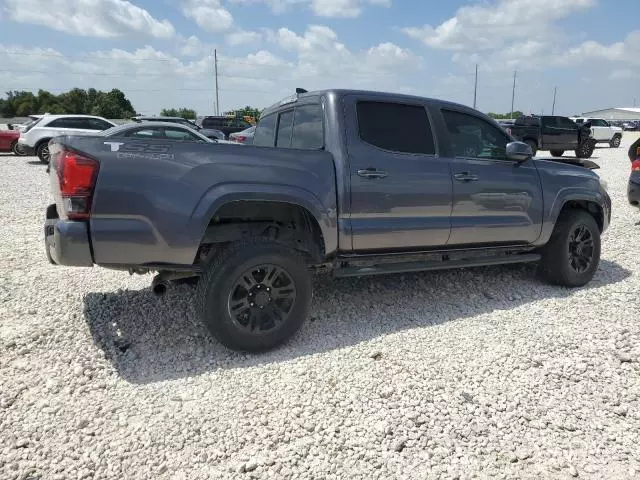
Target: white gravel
[463, 374]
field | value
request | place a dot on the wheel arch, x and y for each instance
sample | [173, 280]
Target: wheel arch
[224, 202]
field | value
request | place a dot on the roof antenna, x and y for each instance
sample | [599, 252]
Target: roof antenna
[301, 90]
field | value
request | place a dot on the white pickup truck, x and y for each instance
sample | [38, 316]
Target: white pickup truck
[601, 131]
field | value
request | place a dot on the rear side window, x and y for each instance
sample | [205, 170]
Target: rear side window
[265, 131]
[566, 123]
[285, 126]
[307, 128]
[395, 127]
[211, 123]
[64, 123]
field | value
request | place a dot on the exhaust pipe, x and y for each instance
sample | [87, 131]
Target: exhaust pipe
[162, 281]
[159, 285]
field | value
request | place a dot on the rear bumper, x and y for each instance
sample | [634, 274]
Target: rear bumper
[66, 241]
[633, 190]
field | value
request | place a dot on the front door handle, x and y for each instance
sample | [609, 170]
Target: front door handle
[372, 173]
[465, 177]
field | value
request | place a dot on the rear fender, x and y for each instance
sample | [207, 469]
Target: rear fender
[220, 195]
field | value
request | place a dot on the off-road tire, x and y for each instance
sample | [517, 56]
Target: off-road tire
[555, 266]
[217, 284]
[557, 153]
[585, 150]
[615, 141]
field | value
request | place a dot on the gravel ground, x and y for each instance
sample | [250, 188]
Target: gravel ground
[463, 374]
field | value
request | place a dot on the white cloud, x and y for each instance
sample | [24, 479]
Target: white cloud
[322, 8]
[480, 27]
[210, 15]
[242, 37]
[90, 18]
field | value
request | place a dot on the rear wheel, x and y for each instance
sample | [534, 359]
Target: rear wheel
[615, 142]
[572, 255]
[585, 149]
[557, 153]
[255, 295]
[43, 152]
[533, 145]
[16, 149]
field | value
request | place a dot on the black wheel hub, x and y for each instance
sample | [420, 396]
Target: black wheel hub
[581, 249]
[261, 299]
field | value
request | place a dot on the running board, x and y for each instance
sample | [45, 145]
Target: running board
[421, 266]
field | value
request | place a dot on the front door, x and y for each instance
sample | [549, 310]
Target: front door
[496, 201]
[401, 192]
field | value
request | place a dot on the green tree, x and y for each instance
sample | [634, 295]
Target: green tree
[516, 114]
[246, 111]
[113, 104]
[186, 113]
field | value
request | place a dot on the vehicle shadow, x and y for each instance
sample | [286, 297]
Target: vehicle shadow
[150, 339]
[36, 162]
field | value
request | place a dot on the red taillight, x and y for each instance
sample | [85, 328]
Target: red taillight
[77, 176]
[239, 138]
[635, 165]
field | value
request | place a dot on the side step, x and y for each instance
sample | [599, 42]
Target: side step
[420, 266]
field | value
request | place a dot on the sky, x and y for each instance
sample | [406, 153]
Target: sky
[160, 52]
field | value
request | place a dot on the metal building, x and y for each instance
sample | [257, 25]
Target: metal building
[615, 114]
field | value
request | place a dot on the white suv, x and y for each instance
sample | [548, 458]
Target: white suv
[35, 138]
[601, 131]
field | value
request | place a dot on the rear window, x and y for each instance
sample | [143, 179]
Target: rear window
[285, 127]
[395, 127]
[265, 131]
[214, 123]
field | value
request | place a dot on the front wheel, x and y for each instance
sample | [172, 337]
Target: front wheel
[254, 295]
[43, 152]
[557, 153]
[585, 149]
[615, 142]
[572, 255]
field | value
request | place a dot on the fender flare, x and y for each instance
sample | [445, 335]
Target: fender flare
[572, 194]
[220, 195]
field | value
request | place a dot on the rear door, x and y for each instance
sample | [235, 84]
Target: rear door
[496, 200]
[401, 192]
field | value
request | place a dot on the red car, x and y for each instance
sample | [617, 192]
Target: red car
[9, 142]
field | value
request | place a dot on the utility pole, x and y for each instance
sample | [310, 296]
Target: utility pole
[513, 92]
[475, 88]
[215, 63]
[553, 107]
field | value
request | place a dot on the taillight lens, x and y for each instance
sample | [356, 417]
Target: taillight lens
[635, 165]
[77, 175]
[239, 138]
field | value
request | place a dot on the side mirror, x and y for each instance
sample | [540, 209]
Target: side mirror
[519, 151]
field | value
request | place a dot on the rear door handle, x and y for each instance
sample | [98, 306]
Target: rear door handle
[372, 173]
[465, 177]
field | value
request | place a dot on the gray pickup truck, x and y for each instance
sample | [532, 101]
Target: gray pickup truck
[334, 182]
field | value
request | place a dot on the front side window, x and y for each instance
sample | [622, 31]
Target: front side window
[265, 131]
[395, 127]
[474, 137]
[566, 123]
[97, 124]
[146, 133]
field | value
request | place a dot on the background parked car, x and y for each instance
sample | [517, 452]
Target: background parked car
[35, 139]
[159, 130]
[226, 125]
[602, 131]
[21, 127]
[9, 142]
[207, 132]
[245, 136]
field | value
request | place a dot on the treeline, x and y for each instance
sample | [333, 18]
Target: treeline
[516, 114]
[112, 104]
